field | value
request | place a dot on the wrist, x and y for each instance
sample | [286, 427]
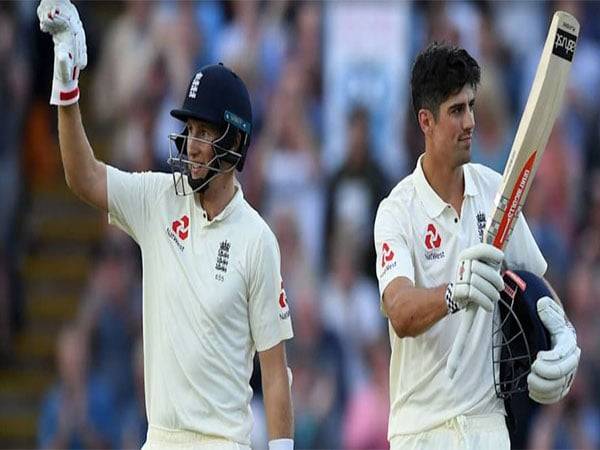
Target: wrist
[281, 444]
[451, 304]
[64, 93]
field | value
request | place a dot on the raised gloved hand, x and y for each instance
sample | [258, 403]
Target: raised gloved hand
[61, 20]
[553, 371]
[478, 279]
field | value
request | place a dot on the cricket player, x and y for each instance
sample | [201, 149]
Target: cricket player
[428, 231]
[212, 289]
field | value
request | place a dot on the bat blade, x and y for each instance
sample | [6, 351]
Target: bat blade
[541, 110]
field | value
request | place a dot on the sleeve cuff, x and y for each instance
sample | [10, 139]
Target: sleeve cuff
[281, 444]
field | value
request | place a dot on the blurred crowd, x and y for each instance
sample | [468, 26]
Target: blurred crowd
[141, 56]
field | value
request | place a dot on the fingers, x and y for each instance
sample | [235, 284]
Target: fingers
[482, 285]
[64, 62]
[544, 386]
[483, 293]
[545, 400]
[55, 15]
[548, 391]
[484, 252]
[489, 274]
[549, 368]
[551, 314]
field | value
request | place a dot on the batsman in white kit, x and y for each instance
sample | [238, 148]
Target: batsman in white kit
[212, 289]
[434, 261]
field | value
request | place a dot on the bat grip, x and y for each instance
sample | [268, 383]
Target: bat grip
[458, 347]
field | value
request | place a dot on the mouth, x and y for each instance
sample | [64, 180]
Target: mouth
[197, 171]
[466, 139]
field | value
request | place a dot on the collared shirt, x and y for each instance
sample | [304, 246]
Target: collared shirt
[419, 236]
[213, 295]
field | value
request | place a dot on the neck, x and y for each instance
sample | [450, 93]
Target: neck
[447, 181]
[218, 195]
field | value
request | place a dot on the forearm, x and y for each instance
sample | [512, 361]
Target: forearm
[278, 406]
[412, 311]
[84, 174]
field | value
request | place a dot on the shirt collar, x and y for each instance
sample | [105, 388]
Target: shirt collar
[434, 205]
[238, 196]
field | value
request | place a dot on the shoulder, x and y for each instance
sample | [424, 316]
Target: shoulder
[398, 201]
[256, 229]
[484, 177]
[154, 181]
[160, 178]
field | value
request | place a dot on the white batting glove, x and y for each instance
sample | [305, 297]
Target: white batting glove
[61, 20]
[478, 279]
[553, 371]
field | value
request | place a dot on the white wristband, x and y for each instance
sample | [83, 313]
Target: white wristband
[281, 444]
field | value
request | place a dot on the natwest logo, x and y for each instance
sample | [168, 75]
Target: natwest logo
[181, 227]
[386, 254]
[433, 239]
[282, 297]
[283, 304]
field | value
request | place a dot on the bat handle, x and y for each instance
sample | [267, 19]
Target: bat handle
[458, 347]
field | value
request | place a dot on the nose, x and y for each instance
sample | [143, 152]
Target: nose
[469, 121]
[195, 147]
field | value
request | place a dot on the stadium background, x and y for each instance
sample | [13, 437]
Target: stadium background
[333, 134]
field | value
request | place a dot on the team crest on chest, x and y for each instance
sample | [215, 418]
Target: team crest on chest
[481, 224]
[223, 256]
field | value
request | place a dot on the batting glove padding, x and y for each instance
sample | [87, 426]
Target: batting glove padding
[61, 20]
[478, 279]
[553, 371]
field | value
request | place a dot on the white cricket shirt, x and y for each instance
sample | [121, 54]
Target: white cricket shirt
[419, 236]
[213, 295]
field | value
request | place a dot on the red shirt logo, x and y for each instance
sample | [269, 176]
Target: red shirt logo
[282, 297]
[181, 227]
[432, 238]
[387, 254]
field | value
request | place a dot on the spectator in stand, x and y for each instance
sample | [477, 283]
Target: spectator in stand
[111, 315]
[77, 412]
[134, 425]
[355, 190]
[14, 87]
[350, 307]
[366, 417]
[131, 37]
[290, 167]
[320, 387]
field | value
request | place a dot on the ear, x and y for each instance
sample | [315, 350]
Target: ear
[426, 120]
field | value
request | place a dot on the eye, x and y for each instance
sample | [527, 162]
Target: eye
[205, 134]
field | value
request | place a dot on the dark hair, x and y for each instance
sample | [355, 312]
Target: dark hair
[440, 71]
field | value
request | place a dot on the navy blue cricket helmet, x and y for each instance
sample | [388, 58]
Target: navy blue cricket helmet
[518, 332]
[218, 96]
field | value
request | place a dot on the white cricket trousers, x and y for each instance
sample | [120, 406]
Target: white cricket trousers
[485, 432]
[162, 439]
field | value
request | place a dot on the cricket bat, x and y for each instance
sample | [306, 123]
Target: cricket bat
[541, 110]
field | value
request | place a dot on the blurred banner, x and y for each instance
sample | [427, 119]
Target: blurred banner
[366, 63]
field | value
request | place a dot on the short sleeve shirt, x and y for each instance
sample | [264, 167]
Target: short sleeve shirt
[419, 236]
[213, 296]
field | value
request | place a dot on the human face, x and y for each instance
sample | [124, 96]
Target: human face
[199, 147]
[452, 132]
